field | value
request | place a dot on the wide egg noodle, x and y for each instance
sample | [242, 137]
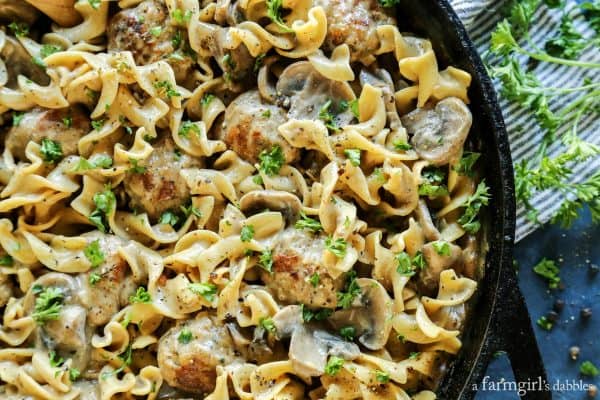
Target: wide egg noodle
[277, 222]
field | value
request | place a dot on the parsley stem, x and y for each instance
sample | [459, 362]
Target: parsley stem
[578, 102]
[556, 60]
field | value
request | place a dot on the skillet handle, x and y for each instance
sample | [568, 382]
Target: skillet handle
[513, 333]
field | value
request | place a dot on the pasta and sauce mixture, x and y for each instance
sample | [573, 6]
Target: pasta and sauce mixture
[235, 199]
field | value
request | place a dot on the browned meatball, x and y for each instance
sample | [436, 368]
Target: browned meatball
[112, 289]
[160, 187]
[192, 366]
[354, 22]
[147, 32]
[296, 258]
[250, 126]
[65, 126]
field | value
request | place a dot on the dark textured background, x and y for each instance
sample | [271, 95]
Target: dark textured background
[573, 250]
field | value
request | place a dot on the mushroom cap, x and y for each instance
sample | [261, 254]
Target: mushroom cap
[305, 91]
[274, 200]
[19, 62]
[370, 315]
[429, 278]
[310, 343]
[439, 133]
[11, 10]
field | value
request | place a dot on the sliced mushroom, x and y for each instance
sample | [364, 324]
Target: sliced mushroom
[429, 277]
[423, 217]
[305, 91]
[19, 62]
[369, 315]
[439, 133]
[11, 10]
[274, 200]
[310, 345]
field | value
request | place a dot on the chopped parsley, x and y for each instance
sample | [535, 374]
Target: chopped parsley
[140, 296]
[308, 223]
[382, 376]
[20, 29]
[247, 233]
[207, 99]
[266, 114]
[320, 314]
[354, 108]
[6, 261]
[418, 260]
[94, 254]
[432, 183]
[587, 368]
[413, 355]
[181, 17]
[177, 39]
[74, 374]
[353, 155]
[549, 270]
[51, 150]
[185, 336]
[206, 290]
[466, 163]
[68, 121]
[259, 62]
[99, 162]
[227, 60]
[97, 125]
[351, 291]
[268, 325]
[55, 360]
[545, 323]
[336, 246]
[187, 127]
[401, 145]
[156, 31]
[135, 167]
[94, 278]
[166, 88]
[334, 365]
[404, 264]
[314, 279]
[274, 13]
[265, 260]
[473, 205]
[48, 304]
[49, 49]
[105, 203]
[168, 218]
[191, 210]
[441, 247]
[271, 161]
[17, 117]
[126, 359]
[327, 116]
[348, 333]
[95, 3]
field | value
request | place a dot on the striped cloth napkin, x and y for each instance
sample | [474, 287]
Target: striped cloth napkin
[480, 17]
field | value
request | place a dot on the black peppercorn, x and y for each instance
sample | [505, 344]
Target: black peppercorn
[593, 269]
[559, 305]
[586, 313]
[552, 316]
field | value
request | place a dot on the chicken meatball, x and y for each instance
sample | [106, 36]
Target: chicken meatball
[66, 126]
[148, 33]
[160, 187]
[296, 259]
[354, 22]
[250, 126]
[111, 291]
[191, 365]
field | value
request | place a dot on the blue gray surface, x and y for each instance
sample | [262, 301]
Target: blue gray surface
[574, 250]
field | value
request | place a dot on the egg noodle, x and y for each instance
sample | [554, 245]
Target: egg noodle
[238, 200]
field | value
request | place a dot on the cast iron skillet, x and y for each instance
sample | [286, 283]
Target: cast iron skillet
[499, 320]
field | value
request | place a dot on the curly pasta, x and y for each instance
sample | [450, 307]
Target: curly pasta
[235, 199]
